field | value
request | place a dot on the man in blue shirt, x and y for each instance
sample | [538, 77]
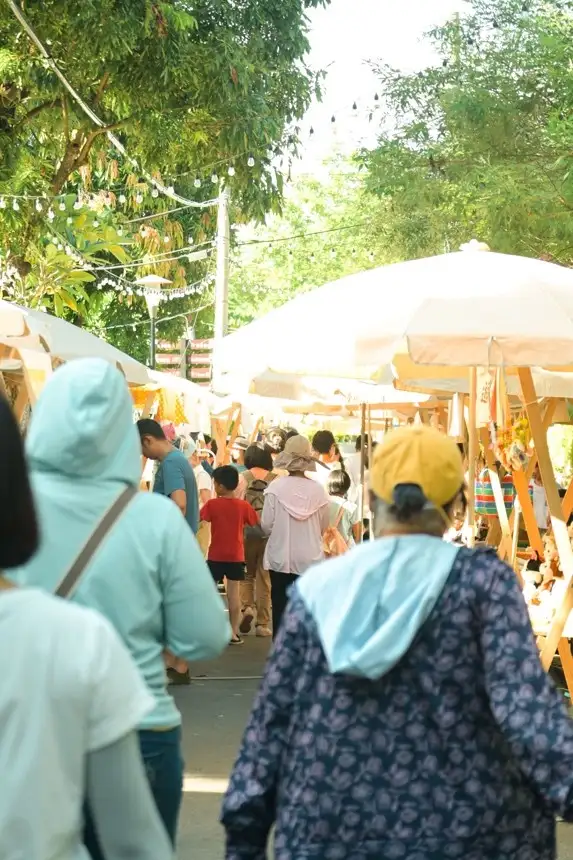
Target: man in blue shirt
[175, 477]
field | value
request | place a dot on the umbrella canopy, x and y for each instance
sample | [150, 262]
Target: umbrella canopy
[471, 308]
[66, 341]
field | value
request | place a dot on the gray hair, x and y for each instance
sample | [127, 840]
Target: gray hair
[429, 520]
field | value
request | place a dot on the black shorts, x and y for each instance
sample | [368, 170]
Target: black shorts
[233, 570]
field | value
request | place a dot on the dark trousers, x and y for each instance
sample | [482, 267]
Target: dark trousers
[280, 585]
[161, 753]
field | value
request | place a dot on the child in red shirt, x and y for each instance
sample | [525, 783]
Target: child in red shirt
[228, 517]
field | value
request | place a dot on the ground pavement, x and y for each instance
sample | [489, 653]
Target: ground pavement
[214, 715]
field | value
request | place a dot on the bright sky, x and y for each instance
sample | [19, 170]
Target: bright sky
[344, 37]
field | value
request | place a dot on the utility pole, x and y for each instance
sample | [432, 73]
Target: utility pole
[221, 277]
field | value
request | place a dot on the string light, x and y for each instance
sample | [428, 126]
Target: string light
[231, 171]
[197, 182]
[214, 178]
[38, 206]
[251, 161]
[62, 207]
[15, 205]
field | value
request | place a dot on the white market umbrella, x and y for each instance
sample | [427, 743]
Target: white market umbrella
[470, 308]
[66, 341]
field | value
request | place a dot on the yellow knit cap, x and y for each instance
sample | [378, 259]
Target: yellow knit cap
[417, 455]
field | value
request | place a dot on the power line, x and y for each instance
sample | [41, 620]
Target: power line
[302, 235]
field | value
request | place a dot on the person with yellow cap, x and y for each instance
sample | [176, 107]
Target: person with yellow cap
[404, 711]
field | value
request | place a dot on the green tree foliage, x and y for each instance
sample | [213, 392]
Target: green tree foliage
[480, 145]
[190, 90]
[329, 228]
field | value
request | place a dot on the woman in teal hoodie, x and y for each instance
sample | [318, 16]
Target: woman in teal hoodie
[148, 578]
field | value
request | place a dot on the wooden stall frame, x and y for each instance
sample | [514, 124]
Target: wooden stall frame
[552, 641]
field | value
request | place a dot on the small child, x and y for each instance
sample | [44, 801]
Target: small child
[343, 514]
[228, 517]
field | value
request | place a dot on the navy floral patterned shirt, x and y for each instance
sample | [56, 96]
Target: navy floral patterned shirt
[464, 751]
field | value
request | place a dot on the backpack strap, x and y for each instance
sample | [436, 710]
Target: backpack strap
[68, 584]
[339, 517]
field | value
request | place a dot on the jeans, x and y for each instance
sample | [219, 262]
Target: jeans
[280, 586]
[163, 762]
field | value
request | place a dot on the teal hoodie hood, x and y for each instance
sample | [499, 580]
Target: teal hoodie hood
[148, 577]
[370, 603]
[83, 426]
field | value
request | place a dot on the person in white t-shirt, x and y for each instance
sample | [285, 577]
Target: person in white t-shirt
[204, 488]
[69, 737]
[324, 450]
[343, 513]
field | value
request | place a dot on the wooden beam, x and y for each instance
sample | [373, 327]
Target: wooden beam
[558, 522]
[472, 457]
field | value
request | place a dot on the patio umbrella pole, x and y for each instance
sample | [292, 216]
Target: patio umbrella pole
[370, 514]
[472, 456]
[362, 463]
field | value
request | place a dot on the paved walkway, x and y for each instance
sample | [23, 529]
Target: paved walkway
[214, 715]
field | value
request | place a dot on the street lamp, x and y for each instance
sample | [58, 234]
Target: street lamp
[152, 293]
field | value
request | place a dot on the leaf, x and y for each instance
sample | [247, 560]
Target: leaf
[68, 300]
[58, 305]
[79, 276]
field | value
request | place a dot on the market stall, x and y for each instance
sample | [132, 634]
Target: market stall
[455, 313]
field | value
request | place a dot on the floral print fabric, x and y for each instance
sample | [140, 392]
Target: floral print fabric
[464, 750]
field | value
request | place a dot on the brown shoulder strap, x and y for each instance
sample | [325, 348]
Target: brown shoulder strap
[68, 584]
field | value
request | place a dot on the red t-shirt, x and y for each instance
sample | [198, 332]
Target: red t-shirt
[228, 517]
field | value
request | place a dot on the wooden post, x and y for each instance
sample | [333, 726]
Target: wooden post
[472, 457]
[362, 462]
[562, 541]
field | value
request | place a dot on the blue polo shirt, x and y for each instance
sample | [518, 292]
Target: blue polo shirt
[176, 473]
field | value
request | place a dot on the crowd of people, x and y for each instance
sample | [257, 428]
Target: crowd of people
[403, 711]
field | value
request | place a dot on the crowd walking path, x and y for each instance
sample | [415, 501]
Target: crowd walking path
[215, 709]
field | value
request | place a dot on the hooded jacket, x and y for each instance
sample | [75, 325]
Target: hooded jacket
[148, 577]
[295, 514]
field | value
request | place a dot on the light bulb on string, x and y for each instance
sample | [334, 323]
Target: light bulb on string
[333, 118]
[214, 178]
[354, 106]
[171, 190]
[51, 214]
[122, 198]
[2, 203]
[155, 193]
[231, 171]
[69, 220]
[78, 204]
[251, 161]
[197, 182]
[119, 231]
[15, 205]
[96, 223]
[353, 252]
[38, 206]
[371, 256]
[62, 207]
[166, 239]
[333, 252]
[139, 199]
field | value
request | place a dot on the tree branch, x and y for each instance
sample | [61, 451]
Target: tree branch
[101, 88]
[36, 110]
[66, 117]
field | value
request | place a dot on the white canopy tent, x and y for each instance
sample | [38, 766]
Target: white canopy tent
[66, 341]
